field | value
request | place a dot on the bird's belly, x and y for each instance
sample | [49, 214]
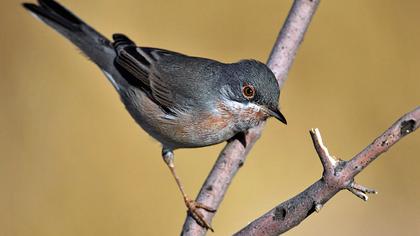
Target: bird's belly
[181, 131]
[202, 131]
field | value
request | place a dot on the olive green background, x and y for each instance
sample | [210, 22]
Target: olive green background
[73, 162]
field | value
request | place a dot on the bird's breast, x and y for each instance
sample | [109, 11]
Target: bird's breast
[189, 128]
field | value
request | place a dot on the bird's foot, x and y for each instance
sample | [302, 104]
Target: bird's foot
[193, 210]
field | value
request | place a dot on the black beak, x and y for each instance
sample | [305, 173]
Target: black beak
[277, 114]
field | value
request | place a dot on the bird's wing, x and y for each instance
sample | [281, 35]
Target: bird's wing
[169, 78]
[136, 66]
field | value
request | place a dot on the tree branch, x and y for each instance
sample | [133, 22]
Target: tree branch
[234, 154]
[338, 175]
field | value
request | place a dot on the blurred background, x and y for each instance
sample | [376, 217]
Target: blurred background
[73, 162]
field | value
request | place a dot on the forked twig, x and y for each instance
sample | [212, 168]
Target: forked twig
[338, 175]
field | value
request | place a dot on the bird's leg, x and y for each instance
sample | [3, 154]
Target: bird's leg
[192, 205]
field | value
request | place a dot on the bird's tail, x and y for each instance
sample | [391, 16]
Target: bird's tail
[94, 45]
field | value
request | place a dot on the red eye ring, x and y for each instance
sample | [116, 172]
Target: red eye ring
[248, 91]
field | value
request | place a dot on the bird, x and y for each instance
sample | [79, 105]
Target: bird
[181, 101]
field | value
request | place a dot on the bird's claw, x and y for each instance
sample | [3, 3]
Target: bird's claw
[193, 210]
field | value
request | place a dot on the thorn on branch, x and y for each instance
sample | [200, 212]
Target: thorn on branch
[361, 191]
[328, 162]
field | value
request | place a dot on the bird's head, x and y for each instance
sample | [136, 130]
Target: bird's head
[253, 91]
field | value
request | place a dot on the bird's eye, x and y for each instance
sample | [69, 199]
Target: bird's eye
[248, 91]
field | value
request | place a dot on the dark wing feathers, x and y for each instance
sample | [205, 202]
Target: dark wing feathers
[127, 58]
[161, 91]
[135, 64]
[172, 80]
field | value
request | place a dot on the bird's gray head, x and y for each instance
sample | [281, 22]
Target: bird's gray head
[252, 86]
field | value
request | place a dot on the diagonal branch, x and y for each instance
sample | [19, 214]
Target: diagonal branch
[234, 154]
[293, 211]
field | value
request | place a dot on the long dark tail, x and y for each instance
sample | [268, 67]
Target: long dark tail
[97, 47]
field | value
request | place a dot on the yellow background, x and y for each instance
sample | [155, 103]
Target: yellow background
[73, 162]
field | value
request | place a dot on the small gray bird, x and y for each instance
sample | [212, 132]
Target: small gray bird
[181, 101]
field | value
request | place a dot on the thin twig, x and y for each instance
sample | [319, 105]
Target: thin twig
[328, 161]
[290, 213]
[233, 155]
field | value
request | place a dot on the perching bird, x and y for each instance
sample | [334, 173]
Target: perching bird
[181, 101]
